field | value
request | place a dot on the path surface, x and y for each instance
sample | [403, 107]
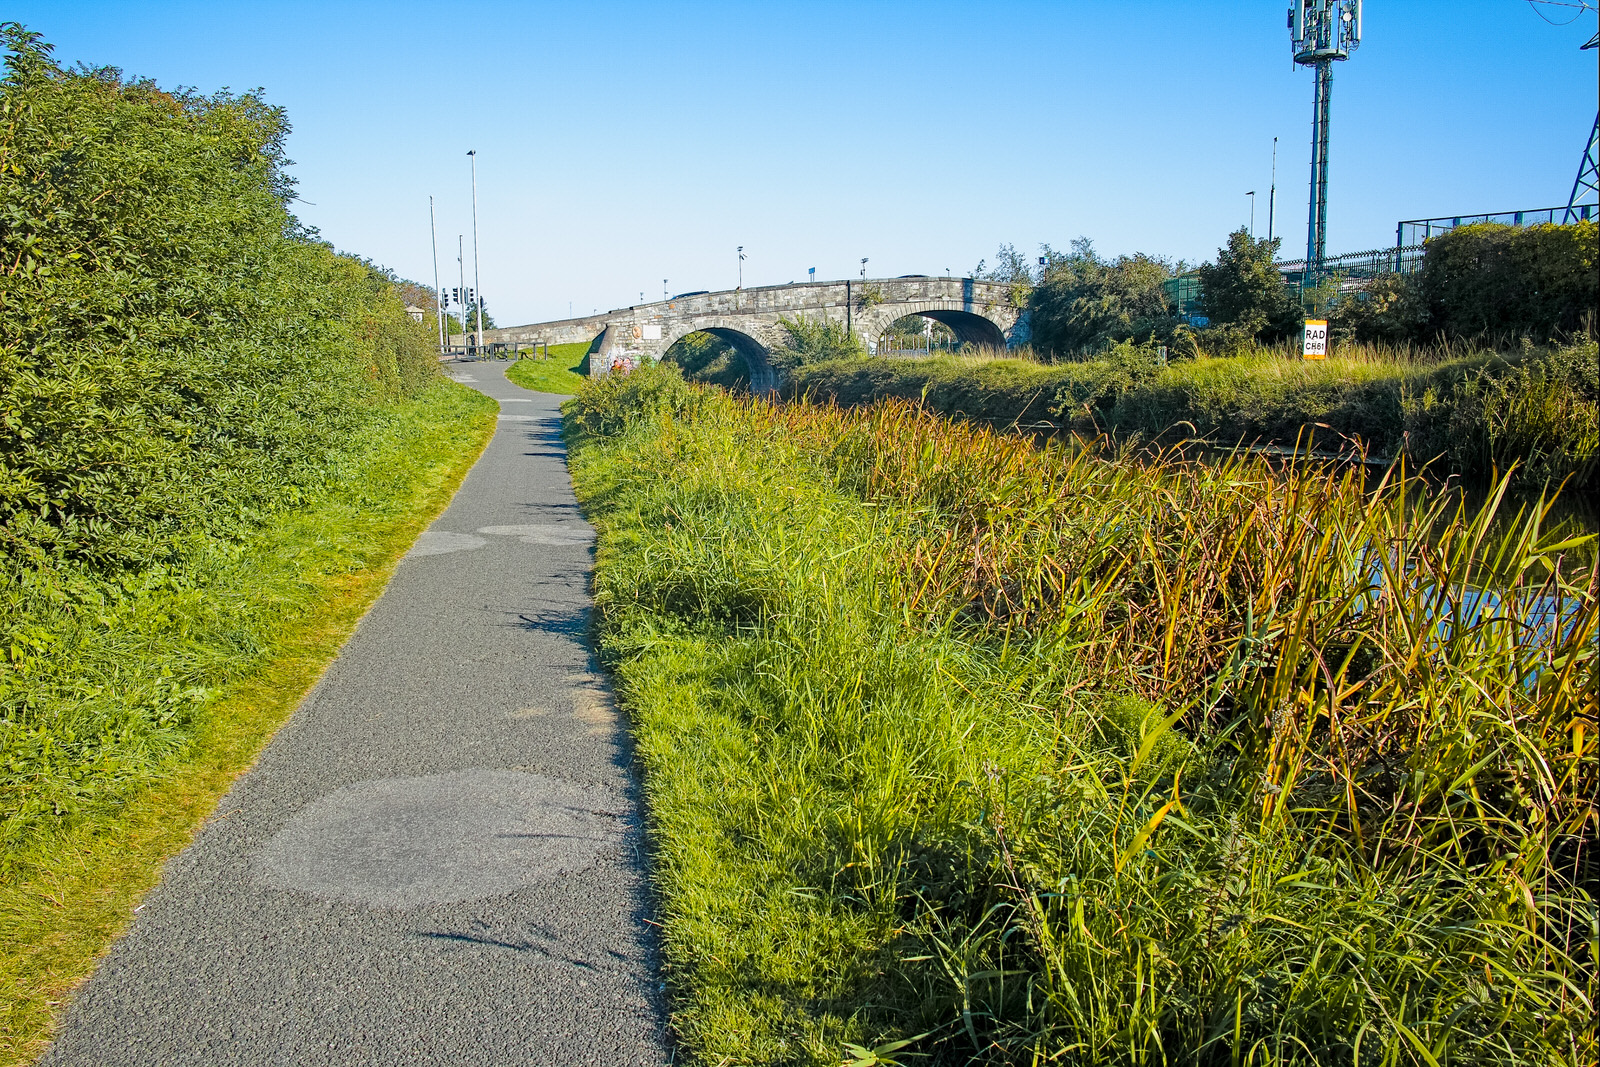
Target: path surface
[437, 861]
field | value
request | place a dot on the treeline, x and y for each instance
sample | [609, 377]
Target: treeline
[1484, 282]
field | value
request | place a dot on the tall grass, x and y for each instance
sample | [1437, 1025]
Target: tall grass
[1027, 756]
[1472, 413]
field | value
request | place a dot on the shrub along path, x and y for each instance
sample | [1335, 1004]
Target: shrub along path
[436, 860]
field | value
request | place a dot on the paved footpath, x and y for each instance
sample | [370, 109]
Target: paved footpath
[437, 860]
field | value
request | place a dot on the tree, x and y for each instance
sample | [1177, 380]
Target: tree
[1010, 267]
[480, 307]
[1084, 302]
[1243, 289]
[814, 340]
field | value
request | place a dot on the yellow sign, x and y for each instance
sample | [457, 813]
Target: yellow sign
[1316, 340]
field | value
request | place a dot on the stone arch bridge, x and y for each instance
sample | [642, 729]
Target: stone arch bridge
[977, 312]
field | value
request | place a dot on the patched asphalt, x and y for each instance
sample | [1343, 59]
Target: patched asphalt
[439, 859]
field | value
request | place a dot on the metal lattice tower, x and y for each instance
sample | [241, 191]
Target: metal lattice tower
[1588, 180]
[1321, 32]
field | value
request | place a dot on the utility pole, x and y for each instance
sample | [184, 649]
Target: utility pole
[477, 283]
[1322, 31]
[438, 294]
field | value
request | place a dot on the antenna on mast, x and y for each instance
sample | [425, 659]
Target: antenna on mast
[1321, 32]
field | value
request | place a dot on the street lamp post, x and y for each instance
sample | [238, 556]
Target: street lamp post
[461, 276]
[741, 267]
[438, 294]
[477, 282]
[1252, 195]
[863, 268]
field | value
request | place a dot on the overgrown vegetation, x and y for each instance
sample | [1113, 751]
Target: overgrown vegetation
[815, 341]
[1469, 413]
[216, 435]
[962, 749]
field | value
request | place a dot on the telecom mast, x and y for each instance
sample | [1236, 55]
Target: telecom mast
[1321, 32]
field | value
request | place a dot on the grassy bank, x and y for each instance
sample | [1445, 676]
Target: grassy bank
[1470, 413]
[224, 644]
[960, 748]
[562, 373]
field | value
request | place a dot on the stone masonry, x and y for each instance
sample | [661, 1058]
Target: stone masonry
[977, 312]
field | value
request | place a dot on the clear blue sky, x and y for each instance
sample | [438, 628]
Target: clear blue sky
[623, 143]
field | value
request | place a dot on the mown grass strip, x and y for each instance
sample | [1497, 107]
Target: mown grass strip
[562, 373]
[311, 574]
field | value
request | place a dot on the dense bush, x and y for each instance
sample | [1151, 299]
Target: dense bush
[1085, 302]
[1484, 281]
[1244, 291]
[1489, 279]
[174, 357]
[813, 341]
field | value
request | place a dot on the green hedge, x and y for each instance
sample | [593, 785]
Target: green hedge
[1486, 281]
[175, 358]
[180, 368]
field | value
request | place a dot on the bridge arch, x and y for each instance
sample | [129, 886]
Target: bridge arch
[968, 326]
[763, 376]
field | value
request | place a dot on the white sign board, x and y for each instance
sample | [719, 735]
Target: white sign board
[1316, 339]
[652, 332]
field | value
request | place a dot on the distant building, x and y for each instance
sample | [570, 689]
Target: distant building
[417, 314]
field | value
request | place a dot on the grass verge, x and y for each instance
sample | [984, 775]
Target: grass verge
[246, 632]
[561, 374]
[961, 751]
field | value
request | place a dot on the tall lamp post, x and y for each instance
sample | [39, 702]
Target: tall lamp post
[477, 283]
[1252, 195]
[438, 294]
[741, 267]
[462, 298]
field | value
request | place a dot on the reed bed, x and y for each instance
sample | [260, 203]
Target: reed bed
[969, 750]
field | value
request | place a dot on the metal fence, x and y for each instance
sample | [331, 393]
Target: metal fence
[1357, 266]
[1416, 231]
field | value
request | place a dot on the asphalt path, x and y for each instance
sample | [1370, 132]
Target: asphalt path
[438, 860]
